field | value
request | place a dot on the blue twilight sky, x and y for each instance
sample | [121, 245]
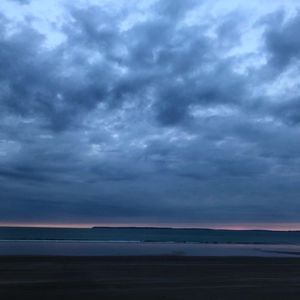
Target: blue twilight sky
[178, 112]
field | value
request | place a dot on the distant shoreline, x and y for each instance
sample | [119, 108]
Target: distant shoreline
[151, 235]
[150, 228]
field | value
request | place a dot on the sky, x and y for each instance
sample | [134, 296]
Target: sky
[150, 112]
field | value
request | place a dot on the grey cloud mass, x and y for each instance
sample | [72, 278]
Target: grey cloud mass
[164, 112]
[22, 2]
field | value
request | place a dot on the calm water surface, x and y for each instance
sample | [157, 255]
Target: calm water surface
[88, 248]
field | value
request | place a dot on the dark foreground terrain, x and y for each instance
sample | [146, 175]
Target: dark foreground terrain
[149, 278]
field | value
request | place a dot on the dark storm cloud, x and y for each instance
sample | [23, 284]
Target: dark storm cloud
[288, 111]
[160, 58]
[282, 40]
[36, 82]
[283, 54]
[149, 121]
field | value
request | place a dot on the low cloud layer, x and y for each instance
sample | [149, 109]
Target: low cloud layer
[161, 112]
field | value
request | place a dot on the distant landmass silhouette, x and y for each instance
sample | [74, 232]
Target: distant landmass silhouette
[152, 234]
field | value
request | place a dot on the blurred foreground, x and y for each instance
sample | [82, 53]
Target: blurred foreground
[168, 277]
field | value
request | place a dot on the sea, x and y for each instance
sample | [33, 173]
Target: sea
[132, 241]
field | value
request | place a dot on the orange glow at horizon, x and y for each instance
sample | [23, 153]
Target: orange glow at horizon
[249, 226]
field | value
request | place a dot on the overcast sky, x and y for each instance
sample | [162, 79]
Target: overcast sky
[169, 112]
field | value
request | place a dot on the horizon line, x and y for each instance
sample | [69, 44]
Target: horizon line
[236, 227]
